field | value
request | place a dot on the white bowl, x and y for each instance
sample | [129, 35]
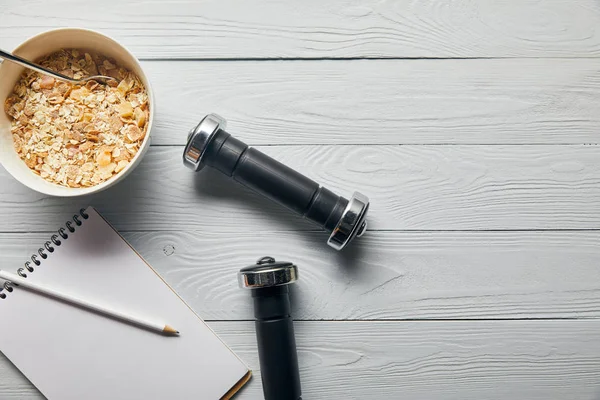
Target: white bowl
[41, 45]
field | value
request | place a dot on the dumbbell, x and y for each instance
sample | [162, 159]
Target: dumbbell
[269, 281]
[209, 144]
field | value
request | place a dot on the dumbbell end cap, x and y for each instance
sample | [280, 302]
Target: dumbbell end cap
[267, 273]
[352, 223]
[199, 138]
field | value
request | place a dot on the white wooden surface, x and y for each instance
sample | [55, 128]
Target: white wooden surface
[473, 126]
[493, 360]
[337, 28]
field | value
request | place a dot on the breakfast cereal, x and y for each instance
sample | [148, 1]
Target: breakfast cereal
[78, 135]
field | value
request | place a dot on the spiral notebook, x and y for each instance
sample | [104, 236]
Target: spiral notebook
[71, 353]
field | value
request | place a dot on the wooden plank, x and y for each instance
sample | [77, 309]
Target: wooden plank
[14, 385]
[536, 360]
[410, 187]
[387, 275]
[383, 101]
[338, 28]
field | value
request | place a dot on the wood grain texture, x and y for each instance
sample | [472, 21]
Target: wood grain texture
[382, 101]
[410, 187]
[483, 175]
[338, 28]
[384, 275]
[493, 360]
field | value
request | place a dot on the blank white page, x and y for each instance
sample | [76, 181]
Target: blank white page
[70, 353]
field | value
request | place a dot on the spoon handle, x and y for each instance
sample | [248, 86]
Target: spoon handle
[26, 63]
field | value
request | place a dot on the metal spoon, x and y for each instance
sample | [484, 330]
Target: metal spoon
[42, 70]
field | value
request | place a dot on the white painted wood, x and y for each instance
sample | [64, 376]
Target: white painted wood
[386, 275]
[470, 360]
[489, 211]
[13, 384]
[338, 28]
[382, 101]
[410, 187]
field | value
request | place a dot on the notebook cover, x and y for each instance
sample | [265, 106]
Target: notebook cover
[102, 358]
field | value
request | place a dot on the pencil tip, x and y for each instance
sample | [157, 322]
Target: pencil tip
[171, 330]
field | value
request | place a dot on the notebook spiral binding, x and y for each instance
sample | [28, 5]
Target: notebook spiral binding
[46, 248]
